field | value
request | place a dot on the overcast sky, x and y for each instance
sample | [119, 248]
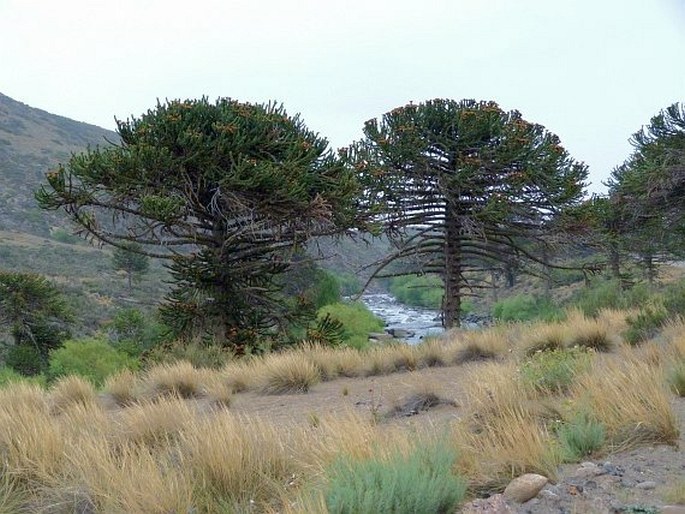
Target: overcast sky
[592, 71]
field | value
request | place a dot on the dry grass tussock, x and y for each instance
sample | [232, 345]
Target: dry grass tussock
[71, 390]
[162, 448]
[630, 398]
[505, 446]
[176, 379]
[468, 346]
[288, 372]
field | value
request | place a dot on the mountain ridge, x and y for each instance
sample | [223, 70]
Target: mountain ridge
[32, 141]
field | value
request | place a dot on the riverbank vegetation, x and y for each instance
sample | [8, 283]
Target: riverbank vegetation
[247, 383]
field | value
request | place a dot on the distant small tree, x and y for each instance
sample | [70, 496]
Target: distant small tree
[33, 311]
[129, 258]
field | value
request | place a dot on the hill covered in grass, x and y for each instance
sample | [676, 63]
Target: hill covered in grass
[31, 142]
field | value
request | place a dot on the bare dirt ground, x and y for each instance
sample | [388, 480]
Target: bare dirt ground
[634, 480]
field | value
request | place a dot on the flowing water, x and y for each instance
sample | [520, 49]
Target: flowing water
[420, 322]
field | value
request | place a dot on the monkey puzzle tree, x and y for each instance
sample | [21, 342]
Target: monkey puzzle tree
[648, 190]
[34, 311]
[224, 191]
[129, 259]
[460, 186]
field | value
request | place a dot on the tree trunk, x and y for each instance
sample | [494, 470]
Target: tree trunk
[452, 302]
[614, 260]
[650, 268]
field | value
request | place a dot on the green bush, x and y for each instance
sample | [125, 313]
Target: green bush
[422, 482]
[349, 284]
[93, 359]
[608, 294]
[62, 236]
[201, 354]
[132, 332]
[357, 322]
[553, 371]
[525, 307]
[580, 438]
[25, 359]
[325, 289]
[10, 376]
[674, 299]
[418, 290]
[645, 324]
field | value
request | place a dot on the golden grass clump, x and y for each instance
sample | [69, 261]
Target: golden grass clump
[130, 478]
[478, 345]
[432, 352]
[593, 333]
[236, 459]
[24, 396]
[71, 390]
[380, 360]
[506, 446]
[494, 387]
[180, 378]
[122, 387]
[153, 423]
[218, 391]
[405, 357]
[540, 337]
[288, 372]
[630, 398]
[31, 443]
[240, 375]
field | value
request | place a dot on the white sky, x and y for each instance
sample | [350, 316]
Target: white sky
[592, 71]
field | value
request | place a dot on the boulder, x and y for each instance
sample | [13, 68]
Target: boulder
[525, 487]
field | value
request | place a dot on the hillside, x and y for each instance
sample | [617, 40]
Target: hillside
[31, 142]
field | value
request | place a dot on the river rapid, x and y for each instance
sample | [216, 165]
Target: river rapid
[420, 322]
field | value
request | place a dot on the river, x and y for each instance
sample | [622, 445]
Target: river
[420, 322]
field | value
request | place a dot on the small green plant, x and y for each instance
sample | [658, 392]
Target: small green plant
[357, 322]
[554, 371]
[581, 438]
[10, 376]
[93, 359]
[525, 307]
[676, 379]
[645, 324]
[421, 482]
[609, 294]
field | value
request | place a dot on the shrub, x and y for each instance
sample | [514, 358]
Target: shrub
[419, 290]
[674, 299]
[25, 359]
[10, 376]
[581, 438]
[525, 307]
[645, 324]
[133, 332]
[553, 371]
[93, 359]
[201, 354]
[609, 294]
[421, 482]
[357, 321]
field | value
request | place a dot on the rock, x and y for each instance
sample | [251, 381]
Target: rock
[588, 470]
[548, 495]
[400, 333]
[525, 487]
[495, 504]
[673, 509]
[646, 485]
[380, 336]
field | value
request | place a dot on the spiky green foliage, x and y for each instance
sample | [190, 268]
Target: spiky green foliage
[225, 191]
[34, 312]
[463, 186]
[647, 191]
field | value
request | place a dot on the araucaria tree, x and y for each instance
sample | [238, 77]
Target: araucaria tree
[225, 192]
[647, 192]
[129, 259]
[464, 186]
